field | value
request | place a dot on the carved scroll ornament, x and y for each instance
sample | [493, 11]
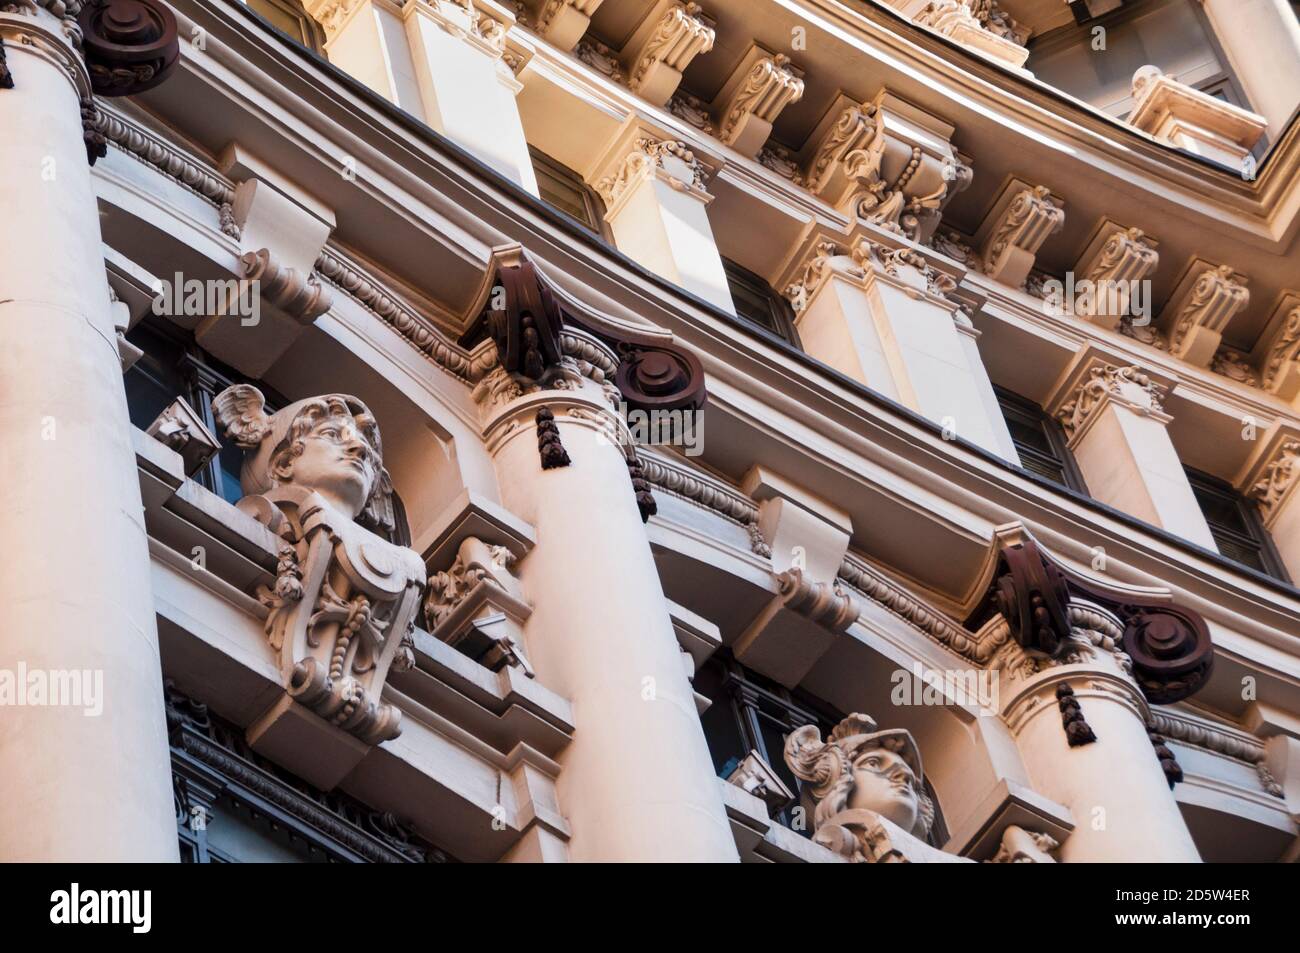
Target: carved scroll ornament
[1170, 646]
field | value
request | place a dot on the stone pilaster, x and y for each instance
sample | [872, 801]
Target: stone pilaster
[78, 784]
[881, 315]
[656, 203]
[1114, 417]
[1262, 41]
[466, 87]
[1187, 118]
[1273, 481]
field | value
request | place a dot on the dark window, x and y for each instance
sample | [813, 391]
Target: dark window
[562, 188]
[758, 303]
[1039, 441]
[173, 366]
[753, 713]
[1235, 524]
[289, 18]
[235, 806]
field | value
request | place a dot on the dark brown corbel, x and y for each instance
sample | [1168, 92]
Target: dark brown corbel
[1032, 594]
[527, 327]
[130, 45]
[1170, 646]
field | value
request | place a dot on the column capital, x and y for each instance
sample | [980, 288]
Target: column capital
[1281, 360]
[1127, 385]
[646, 158]
[41, 33]
[1279, 476]
[823, 258]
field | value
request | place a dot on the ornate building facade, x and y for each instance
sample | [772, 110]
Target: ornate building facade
[807, 431]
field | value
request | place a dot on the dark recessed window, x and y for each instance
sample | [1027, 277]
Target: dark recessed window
[757, 302]
[1039, 441]
[562, 188]
[289, 18]
[1235, 524]
[753, 713]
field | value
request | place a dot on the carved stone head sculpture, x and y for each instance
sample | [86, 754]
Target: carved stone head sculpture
[860, 768]
[345, 598]
[328, 445]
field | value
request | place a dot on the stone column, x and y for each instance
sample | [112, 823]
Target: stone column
[1262, 41]
[1117, 429]
[637, 782]
[1113, 784]
[880, 315]
[467, 88]
[76, 785]
[656, 204]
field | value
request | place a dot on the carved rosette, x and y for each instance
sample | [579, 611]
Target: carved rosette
[130, 45]
[654, 378]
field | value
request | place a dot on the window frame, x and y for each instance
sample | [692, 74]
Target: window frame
[1256, 535]
[591, 200]
[1027, 412]
[780, 313]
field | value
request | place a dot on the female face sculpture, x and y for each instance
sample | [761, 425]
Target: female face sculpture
[883, 782]
[860, 768]
[328, 445]
[329, 455]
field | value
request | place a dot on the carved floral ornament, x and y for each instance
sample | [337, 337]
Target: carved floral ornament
[666, 159]
[1279, 477]
[345, 599]
[1130, 386]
